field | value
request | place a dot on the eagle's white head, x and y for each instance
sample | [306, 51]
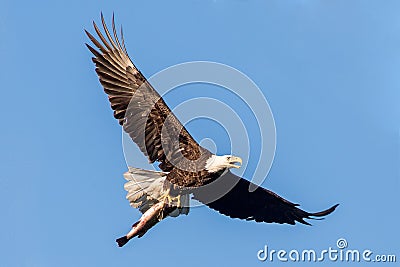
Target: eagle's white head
[217, 163]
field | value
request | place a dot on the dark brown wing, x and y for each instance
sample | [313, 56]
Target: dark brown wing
[260, 205]
[137, 106]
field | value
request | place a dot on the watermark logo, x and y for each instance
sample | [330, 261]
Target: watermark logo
[340, 253]
[341, 243]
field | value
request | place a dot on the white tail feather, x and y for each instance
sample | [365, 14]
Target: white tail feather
[145, 188]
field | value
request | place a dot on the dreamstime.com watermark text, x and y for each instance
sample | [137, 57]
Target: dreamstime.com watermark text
[340, 253]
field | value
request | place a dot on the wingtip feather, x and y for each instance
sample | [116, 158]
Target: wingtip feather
[325, 212]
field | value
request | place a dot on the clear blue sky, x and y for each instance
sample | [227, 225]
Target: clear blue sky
[329, 69]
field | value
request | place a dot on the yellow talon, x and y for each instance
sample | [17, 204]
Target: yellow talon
[169, 200]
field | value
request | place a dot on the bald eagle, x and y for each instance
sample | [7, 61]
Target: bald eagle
[187, 169]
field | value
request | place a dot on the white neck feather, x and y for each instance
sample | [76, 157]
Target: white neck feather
[216, 163]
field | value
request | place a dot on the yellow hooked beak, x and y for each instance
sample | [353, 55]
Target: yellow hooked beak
[234, 160]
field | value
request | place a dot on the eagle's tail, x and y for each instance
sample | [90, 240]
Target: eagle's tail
[146, 188]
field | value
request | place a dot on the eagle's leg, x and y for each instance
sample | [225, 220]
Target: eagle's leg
[168, 201]
[165, 200]
[173, 200]
[165, 197]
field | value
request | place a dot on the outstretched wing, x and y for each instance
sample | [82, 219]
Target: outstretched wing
[260, 205]
[137, 106]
